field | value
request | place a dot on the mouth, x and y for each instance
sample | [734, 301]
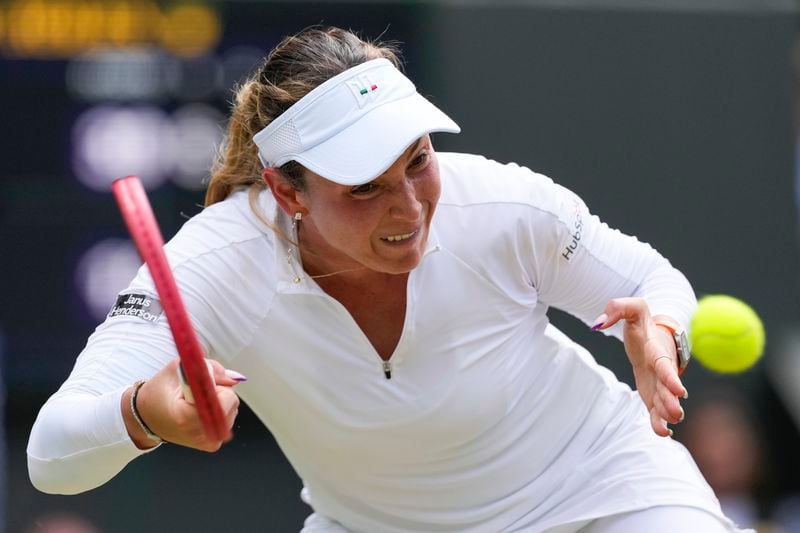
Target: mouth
[399, 237]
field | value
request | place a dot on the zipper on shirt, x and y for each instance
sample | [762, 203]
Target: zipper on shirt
[387, 369]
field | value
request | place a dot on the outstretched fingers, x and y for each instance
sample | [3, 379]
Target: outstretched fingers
[666, 369]
[658, 423]
[651, 350]
[666, 404]
[632, 310]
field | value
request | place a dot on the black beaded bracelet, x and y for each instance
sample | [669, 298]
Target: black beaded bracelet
[135, 412]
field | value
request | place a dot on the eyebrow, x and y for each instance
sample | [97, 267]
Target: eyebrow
[413, 146]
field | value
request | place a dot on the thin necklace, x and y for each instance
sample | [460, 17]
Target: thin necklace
[297, 277]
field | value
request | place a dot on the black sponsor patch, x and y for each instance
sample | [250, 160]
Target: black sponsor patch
[141, 306]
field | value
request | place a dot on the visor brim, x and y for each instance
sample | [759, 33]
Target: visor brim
[368, 147]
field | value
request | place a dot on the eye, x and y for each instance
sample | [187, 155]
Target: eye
[420, 160]
[366, 188]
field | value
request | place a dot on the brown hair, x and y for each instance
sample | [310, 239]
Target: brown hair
[296, 66]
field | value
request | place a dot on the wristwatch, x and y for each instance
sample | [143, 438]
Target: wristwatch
[681, 343]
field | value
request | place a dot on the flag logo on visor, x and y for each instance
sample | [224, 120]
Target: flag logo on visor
[364, 89]
[334, 115]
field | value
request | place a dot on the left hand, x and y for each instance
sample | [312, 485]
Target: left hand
[652, 352]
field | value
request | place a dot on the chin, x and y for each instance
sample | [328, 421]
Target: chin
[393, 266]
[403, 270]
[403, 267]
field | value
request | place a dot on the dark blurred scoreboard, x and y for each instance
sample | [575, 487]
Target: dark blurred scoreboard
[93, 90]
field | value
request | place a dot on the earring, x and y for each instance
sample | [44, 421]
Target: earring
[298, 216]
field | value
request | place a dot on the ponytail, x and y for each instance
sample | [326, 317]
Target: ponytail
[295, 67]
[236, 164]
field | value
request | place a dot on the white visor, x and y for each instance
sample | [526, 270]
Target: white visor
[354, 126]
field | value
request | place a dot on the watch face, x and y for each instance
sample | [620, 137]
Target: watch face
[684, 354]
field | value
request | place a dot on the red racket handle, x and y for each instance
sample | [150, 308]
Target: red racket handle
[142, 225]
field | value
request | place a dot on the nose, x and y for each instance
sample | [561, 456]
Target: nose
[405, 205]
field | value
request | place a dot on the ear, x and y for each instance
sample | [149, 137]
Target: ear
[289, 199]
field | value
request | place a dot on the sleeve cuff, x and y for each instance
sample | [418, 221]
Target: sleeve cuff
[108, 416]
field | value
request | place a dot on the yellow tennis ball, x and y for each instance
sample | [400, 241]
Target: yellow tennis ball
[726, 334]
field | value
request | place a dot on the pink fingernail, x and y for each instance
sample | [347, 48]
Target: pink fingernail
[685, 393]
[599, 321]
[670, 432]
[235, 376]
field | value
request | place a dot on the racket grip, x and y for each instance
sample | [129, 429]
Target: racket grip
[187, 392]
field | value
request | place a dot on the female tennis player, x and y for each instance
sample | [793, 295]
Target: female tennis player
[388, 305]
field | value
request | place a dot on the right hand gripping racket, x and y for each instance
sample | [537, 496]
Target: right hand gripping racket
[142, 225]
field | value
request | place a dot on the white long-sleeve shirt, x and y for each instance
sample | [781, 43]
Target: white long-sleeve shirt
[492, 420]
